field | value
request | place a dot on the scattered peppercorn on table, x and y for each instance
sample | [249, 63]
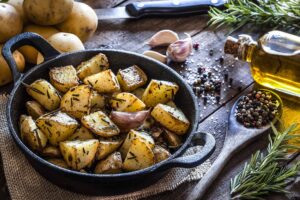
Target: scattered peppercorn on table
[217, 81]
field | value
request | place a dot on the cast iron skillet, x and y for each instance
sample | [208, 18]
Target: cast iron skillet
[101, 184]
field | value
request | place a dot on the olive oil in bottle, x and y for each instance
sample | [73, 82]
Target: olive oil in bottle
[274, 59]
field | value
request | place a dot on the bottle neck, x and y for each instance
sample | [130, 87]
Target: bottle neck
[246, 50]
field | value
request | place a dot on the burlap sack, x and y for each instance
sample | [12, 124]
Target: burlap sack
[24, 183]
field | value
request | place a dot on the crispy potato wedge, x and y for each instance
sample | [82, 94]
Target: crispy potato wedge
[160, 153]
[172, 139]
[44, 93]
[159, 92]
[139, 156]
[171, 118]
[31, 134]
[107, 147]
[51, 152]
[131, 78]
[59, 162]
[57, 126]
[79, 154]
[77, 101]
[82, 133]
[127, 102]
[103, 82]
[34, 109]
[111, 165]
[100, 124]
[138, 92]
[132, 135]
[63, 78]
[96, 64]
[97, 101]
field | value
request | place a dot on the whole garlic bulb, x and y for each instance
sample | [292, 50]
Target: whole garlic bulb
[180, 50]
[163, 38]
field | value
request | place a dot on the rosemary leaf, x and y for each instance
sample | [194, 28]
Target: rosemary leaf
[264, 173]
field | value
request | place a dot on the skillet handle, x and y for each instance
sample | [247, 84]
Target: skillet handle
[26, 38]
[197, 158]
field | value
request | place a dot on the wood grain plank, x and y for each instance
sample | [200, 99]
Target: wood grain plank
[103, 4]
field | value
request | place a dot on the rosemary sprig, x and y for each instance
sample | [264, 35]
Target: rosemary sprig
[264, 173]
[277, 14]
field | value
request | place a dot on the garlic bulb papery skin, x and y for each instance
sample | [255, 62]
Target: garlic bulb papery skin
[163, 38]
[155, 55]
[180, 50]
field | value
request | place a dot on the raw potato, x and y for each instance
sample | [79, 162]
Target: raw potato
[138, 92]
[139, 156]
[103, 82]
[77, 101]
[51, 151]
[82, 21]
[171, 118]
[133, 135]
[44, 93]
[58, 162]
[48, 12]
[18, 4]
[79, 154]
[131, 78]
[29, 52]
[172, 139]
[63, 42]
[34, 109]
[127, 102]
[57, 126]
[159, 92]
[11, 22]
[63, 78]
[96, 64]
[160, 154]
[100, 124]
[82, 133]
[107, 147]
[97, 101]
[5, 73]
[111, 165]
[31, 134]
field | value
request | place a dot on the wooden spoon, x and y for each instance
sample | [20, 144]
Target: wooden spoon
[237, 137]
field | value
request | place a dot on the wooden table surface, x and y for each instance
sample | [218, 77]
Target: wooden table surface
[132, 36]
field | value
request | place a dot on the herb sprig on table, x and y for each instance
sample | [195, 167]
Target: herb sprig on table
[278, 14]
[264, 173]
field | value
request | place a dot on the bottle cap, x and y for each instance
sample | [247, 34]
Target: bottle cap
[232, 46]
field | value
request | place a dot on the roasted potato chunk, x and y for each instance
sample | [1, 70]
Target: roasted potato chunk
[132, 135]
[51, 152]
[63, 78]
[111, 165]
[100, 124]
[103, 82]
[127, 102]
[139, 156]
[82, 133]
[79, 154]
[57, 126]
[172, 139]
[96, 64]
[171, 118]
[77, 101]
[138, 92]
[107, 147]
[159, 92]
[31, 134]
[34, 109]
[44, 93]
[160, 154]
[131, 78]
[58, 162]
[97, 101]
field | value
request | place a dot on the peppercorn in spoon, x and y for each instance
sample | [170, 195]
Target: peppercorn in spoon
[250, 117]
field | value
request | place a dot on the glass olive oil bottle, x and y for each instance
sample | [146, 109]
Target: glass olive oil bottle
[274, 59]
